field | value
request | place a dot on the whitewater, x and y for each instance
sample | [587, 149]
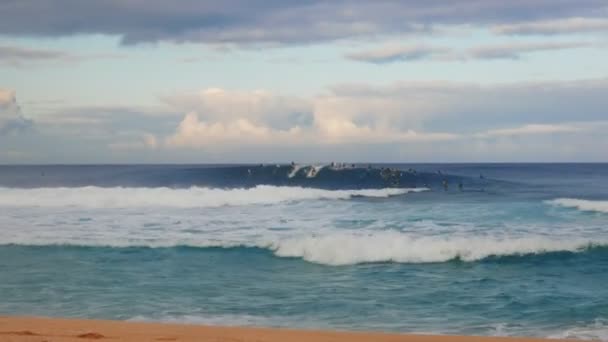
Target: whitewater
[195, 197]
[493, 249]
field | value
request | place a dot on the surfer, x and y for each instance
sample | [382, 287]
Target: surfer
[445, 185]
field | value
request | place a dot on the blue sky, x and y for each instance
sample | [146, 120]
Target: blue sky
[314, 81]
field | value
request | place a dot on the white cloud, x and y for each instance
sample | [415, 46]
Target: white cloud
[467, 105]
[260, 117]
[531, 129]
[515, 50]
[392, 53]
[555, 26]
[216, 115]
[192, 132]
[260, 107]
[397, 53]
[407, 112]
[422, 121]
[17, 56]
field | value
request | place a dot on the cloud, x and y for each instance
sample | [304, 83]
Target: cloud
[15, 55]
[11, 119]
[192, 132]
[414, 113]
[397, 53]
[18, 56]
[406, 112]
[556, 26]
[114, 126]
[271, 22]
[416, 121]
[531, 129]
[258, 107]
[455, 106]
[515, 50]
[401, 53]
[259, 117]
[413, 121]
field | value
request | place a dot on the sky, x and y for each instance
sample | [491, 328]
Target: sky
[240, 81]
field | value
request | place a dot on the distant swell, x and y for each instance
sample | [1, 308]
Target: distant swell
[582, 205]
[194, 197]
[351, 248]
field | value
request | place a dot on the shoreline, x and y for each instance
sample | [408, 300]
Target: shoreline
[19, 328]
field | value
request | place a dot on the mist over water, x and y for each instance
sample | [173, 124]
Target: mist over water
[491, 249]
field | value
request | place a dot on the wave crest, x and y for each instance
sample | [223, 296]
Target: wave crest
[582, 205]
[348, 249]
[341, 249]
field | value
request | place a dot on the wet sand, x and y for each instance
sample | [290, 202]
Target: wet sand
[59, 330]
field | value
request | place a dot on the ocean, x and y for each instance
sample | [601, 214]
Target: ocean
[484, 249]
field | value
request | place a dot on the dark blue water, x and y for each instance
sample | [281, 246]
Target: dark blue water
[506, 249]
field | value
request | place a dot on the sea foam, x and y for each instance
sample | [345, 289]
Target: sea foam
[338, 249]
[194, 197]
[347, 249]
[580, 204]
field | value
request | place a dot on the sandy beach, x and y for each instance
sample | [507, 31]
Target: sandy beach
[58, 330]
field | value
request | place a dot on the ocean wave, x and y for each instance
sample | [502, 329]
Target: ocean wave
[348, 249]
[194, 197]
[341, 249]
[580, 204]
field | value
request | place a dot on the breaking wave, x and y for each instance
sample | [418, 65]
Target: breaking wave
[582, 205]
[194, 197]
[348, 248]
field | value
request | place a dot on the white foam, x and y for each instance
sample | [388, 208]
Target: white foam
[583, 205]
[221, 320]
[597, 331]
[347, 249]
[195, 197]
[332, 249]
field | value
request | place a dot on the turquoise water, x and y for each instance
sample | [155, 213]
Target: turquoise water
[522, 250]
